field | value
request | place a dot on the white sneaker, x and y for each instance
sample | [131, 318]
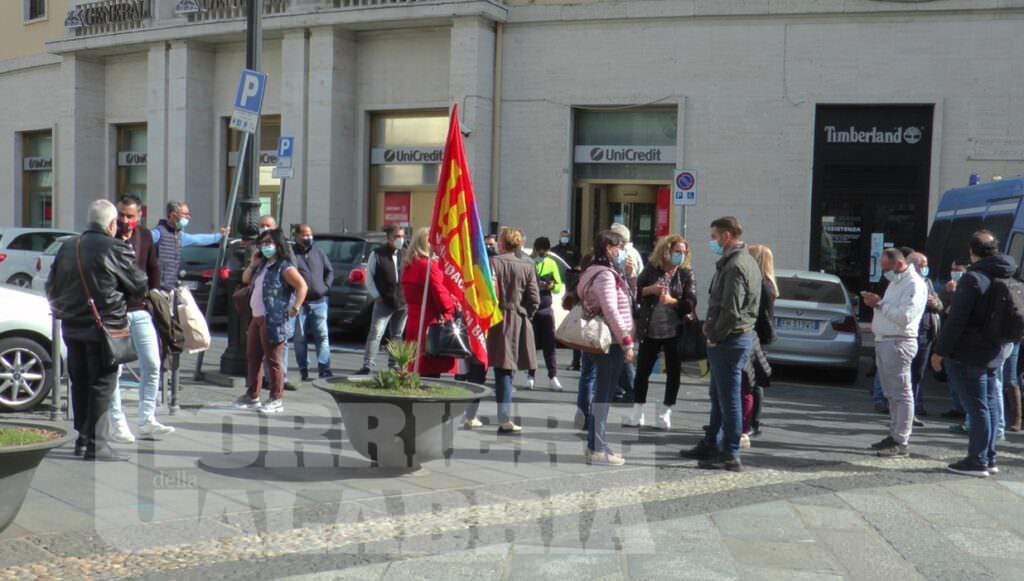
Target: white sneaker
[555, 384]
[664, 420]
[744, 441]
[121, 433]
[604, 459]
[636, 419]
[530, 383]
[154, 428]
[473, 423]
[274, 406]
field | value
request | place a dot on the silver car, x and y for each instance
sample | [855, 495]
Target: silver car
[815, 322]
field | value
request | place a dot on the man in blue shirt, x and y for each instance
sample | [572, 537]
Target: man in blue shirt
[170, 237]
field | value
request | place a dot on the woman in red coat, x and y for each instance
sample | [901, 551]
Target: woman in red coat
[439, 304]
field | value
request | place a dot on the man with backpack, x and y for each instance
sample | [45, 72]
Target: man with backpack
[895, 325]
[985, 320]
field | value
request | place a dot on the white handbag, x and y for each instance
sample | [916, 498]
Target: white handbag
[584, 331]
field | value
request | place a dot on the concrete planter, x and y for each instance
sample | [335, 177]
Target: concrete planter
[18, 464]
[402, 432]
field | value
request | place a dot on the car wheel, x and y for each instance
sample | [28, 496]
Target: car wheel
[22, 280]
[25, 374]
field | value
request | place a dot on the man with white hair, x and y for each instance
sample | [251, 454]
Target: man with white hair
[94, 275]
[630, 264]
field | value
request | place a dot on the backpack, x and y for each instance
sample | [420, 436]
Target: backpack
[1004, 318]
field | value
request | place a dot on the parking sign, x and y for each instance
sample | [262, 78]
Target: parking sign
[249, 101]
[684, 188]
[284, 151]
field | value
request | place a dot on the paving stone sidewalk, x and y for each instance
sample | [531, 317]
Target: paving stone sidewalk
[234, 495]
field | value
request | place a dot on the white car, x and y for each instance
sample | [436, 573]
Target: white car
[26, 370]
[19, 248]
[43, 263]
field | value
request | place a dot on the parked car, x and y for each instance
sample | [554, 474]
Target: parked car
[350, 306]
[198, 264]
[815, 322]
[19, 248]
[43, 263]
[26, 371]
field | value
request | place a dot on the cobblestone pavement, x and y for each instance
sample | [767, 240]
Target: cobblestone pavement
[233, 495]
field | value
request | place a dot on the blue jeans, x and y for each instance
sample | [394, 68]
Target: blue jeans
[384, 318]
[977, 388]
[588, 377]
[727, 360]
[144, 338]
[608, 368]
[503, 393]
[313, 318]
[627, 378]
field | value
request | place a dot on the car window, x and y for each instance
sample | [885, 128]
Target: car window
[341, 251]
[815, 291]
[33, 241]
[54, 247]
[200, 255]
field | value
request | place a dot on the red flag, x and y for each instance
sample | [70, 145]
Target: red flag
[458, 241]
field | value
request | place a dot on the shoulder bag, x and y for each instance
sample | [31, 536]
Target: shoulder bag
[448, 339]
[117, 341]
[583, 330]
[693, 346]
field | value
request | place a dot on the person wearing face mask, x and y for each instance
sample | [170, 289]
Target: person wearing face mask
[278, 294]
[383, 283]
[142, 328]
[956, 409]
[668, 293]
[926, 332]
[628, 263]
[313, 318]
[170, 237]
[550, 282]
[895, 323]
[99, 266]
[733, 307]
[566, 250]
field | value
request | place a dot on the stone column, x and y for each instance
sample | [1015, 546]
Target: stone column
[331, 185]
[156, 135]
[190, 133]
[81, 149]
[294, 93]
[471, 82]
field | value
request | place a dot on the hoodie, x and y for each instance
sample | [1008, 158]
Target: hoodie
[961, 338]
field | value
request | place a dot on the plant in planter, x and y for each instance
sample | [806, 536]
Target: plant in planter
[398, 419]
[23, 445]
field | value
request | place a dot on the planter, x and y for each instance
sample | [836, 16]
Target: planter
[401, 432]
[18, 464]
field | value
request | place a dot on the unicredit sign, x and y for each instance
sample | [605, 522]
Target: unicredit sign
[897, 135]
[406, 155]
[653, 154]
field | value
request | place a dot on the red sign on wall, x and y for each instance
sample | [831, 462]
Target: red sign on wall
[396, 208]
[661, 224]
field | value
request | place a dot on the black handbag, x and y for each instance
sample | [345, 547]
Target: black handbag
[117, 341]
[693, 346]
[448, 339]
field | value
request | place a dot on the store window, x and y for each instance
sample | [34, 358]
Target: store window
[131, 162]
[270, 187]
[34, 10]
[405, 161]
[37, 179]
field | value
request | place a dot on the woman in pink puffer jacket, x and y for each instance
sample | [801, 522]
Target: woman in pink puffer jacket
[605, 293]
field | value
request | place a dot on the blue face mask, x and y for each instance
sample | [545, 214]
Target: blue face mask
[678, 258]
[925, 271]
[620, 260]
[890, 275]
[716, 247]
[268, 251]
[182, 223]
[956, 274]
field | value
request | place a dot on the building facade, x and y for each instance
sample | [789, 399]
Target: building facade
[817, 122]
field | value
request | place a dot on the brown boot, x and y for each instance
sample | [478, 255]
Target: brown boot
[1011, 403]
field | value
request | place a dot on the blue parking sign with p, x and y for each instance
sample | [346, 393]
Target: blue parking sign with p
[251, 87]
[284, 147]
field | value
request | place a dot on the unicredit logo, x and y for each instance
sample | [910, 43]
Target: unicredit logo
[597, 154]
[412, 156]
[898, 135]
[625, 154]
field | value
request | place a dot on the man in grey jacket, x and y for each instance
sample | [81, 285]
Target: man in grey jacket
[732, 313]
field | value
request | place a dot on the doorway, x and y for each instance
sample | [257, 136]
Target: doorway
[635, 204]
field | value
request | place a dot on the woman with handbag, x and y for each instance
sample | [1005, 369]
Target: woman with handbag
[439, 306]
[605, 293]
[668, 292]
[278, 291]
[510, 344]
[758, 372]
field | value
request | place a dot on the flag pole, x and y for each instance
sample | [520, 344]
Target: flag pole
[423, 314]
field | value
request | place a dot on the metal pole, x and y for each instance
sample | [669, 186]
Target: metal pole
[223, 244]
[56, 368]
[280, 204]
[423, 315]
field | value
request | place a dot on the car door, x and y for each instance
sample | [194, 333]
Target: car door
[21, 256]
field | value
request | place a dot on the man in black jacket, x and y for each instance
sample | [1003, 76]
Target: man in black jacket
[972, 359]
[108, 267]
[313, 317]
[383, 284]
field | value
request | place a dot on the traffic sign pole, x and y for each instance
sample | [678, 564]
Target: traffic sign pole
[280, 203]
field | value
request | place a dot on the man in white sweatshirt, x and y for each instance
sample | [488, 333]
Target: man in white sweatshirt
[895, 325]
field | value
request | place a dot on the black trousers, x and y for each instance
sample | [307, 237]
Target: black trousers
[645, 360]
[92, 385]
[918, 368]
[544, 336]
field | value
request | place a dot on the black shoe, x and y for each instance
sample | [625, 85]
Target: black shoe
[574, 368]
[968, 468]
[881, 408]
[363, 371]
[702, 451]
[103, 453]
[918, 423]
[325, 373]
[705, 428]
[289, 386]
[893, 451]
[80, 446]
[952, 415]
[303, 375]
[883, 443]
[721, 462]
